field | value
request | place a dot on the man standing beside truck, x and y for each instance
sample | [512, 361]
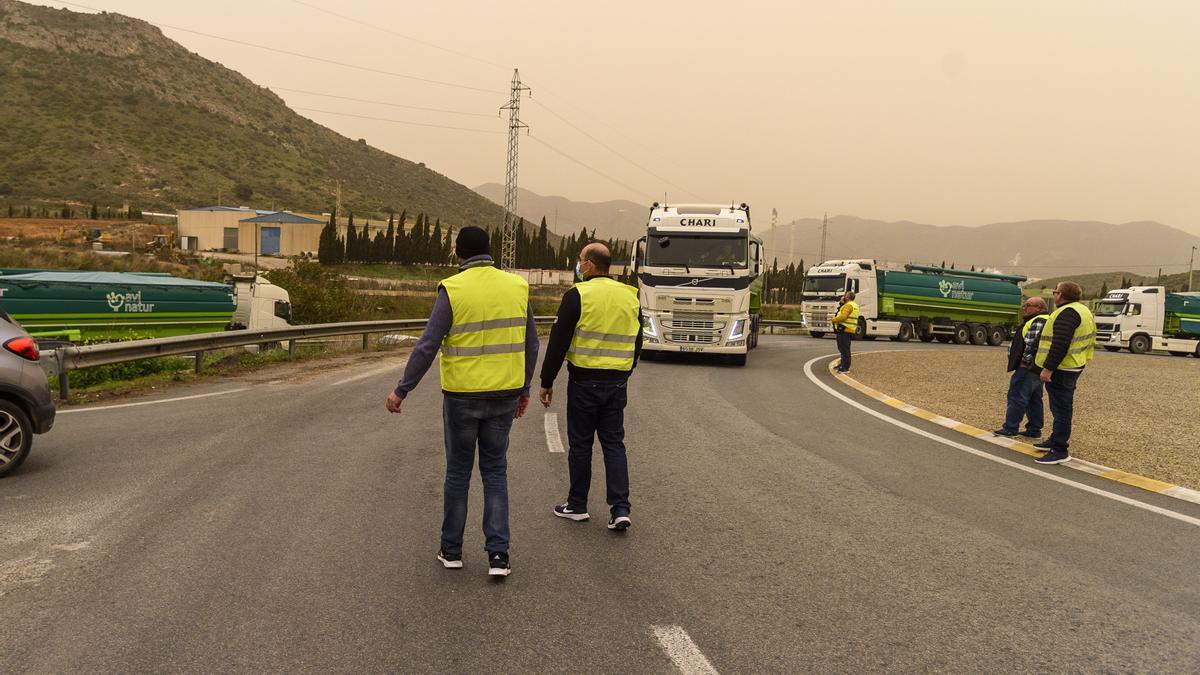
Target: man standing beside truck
[1025, 386]
[599, 332]
[845, 326]
[1067, 344]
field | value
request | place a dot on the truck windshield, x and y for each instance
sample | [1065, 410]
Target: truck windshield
[1110, 308]
[825, 285]
[674, 250]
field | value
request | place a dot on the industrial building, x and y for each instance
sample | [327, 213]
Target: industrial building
[245, 230]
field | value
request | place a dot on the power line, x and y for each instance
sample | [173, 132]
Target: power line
[400, 35]
[310, 57]
[393, 105]
[589, 168]
[604, 145]
[395, 121]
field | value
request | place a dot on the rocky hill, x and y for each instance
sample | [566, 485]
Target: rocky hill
[105, 108]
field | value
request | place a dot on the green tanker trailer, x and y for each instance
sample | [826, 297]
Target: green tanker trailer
[928, 303]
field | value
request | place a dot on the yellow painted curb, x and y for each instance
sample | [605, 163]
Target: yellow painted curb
[1150, 484]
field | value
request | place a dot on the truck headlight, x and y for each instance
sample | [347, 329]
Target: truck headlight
[649, 327]
[738, 330]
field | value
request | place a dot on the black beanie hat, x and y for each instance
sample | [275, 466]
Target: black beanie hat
[471, 241]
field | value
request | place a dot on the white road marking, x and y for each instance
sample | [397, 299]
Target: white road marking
[683, 652]
[553, 439]
[808, 371]
[365, 375]
[161, 400]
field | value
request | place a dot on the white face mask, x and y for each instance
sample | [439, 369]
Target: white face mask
[578, 272]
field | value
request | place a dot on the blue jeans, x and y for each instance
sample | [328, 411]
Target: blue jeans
[1025, 401]
[468, 422]
[1061, 392]
[596, 409]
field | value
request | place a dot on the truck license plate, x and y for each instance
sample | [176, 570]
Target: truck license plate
[691, 349]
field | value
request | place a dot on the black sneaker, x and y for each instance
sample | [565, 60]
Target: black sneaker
[1002, 432]
[1044, 445]
[1054, 457]
[1030, 434]
[450, 562]
[498, 564]
[564, 511]
[619, 523]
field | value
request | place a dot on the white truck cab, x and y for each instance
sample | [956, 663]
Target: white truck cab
[1136, 319]
[260, 304]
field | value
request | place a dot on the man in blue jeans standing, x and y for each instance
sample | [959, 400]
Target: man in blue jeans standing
[599, 332]
[1025, 386]
[1067, 345]
[483, 326]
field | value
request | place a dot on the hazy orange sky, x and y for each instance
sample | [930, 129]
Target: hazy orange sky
[950, 113]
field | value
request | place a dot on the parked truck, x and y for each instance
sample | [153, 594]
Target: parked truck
[928, 303]
[1143, 318]
[103, 306]
[699, 274]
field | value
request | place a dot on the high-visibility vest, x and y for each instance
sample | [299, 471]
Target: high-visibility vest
[608, 326]
[1083, 342]
[850, 324]
[485, 348]
[1025, 327]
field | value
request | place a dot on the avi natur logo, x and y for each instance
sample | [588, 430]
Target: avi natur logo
[128, 302]
[955, 289]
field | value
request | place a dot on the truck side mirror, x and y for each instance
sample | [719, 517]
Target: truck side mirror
[756, 258]
[639, 250]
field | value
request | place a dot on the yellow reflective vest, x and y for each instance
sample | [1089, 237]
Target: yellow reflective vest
[1083, 342]
[847, 317]
[608, 327]
[485, 348]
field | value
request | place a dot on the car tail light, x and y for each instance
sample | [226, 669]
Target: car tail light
[24, 347]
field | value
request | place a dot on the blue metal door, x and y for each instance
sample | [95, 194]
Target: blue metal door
[269, 244]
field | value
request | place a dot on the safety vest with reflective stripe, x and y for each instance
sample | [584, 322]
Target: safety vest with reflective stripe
[850, 323]
[606, 334]
[485, 348]
[1083, 342]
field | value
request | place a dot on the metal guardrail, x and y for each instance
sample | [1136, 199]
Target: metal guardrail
[61, 361]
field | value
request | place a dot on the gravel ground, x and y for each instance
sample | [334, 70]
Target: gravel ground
[1136, 413]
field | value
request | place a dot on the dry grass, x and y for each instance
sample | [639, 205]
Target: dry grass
[1136, 413]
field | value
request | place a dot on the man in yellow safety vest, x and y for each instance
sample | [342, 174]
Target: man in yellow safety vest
[845, 328]
[1067, 345]
[483, 326]
[599, 333]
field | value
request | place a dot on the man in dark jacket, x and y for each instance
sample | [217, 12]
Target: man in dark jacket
[1025, 387]
[599, 333]
[1067, 345]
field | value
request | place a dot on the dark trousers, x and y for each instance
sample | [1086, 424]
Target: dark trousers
[467, 423]
[1061, 392]
[597, 409]
[843, 343]
[1025, 402]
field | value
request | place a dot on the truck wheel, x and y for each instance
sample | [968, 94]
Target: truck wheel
[1112, 349]
[16, 436]
[1139, 344]
[906, 332]
[862, 333]
[962, 334]
[996, 335]
[979, 334]
[816, 333]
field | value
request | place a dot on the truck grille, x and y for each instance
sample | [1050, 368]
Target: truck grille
[693, 338]
[1106, 327]
[694, 320]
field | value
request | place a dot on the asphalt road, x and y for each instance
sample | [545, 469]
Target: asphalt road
[292, 526]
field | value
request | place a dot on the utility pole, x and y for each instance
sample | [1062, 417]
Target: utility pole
[824, 233]
[508, 249]
[1191, 260]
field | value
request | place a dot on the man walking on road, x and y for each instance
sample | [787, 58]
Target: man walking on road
[1025, 386]
[599, 332]
[845, 328]
[483, 326]
[1066, 346]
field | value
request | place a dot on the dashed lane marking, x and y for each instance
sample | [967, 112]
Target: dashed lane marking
[808, 371]
[161, 400]
[553, 439]
[684, 653]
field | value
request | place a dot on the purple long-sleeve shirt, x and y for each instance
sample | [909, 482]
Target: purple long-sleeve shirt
[440, 321]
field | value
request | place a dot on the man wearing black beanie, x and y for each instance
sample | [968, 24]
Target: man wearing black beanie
[483, 326]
